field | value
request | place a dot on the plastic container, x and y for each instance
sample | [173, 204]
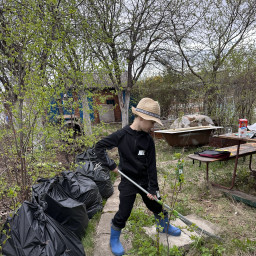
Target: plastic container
[242, 130]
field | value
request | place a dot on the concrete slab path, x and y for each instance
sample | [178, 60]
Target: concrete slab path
[184, 240]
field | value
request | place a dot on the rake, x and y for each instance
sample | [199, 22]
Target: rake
[181, 217]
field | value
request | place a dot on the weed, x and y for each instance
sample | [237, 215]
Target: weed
[88, 239]
[246, 245]
[139, 218]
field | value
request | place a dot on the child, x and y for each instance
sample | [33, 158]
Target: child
[136, 150]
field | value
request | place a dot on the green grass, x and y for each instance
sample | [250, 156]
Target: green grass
[88, 239]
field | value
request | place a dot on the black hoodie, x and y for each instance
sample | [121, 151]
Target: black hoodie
[137, 156]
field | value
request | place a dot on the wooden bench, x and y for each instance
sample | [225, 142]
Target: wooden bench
[245, 150]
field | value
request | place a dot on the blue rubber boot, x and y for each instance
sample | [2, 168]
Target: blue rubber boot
[162, 225]
[115, 245]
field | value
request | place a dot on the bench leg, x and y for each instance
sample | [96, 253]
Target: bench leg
[207, 172]
[250, 165]
[236, 162]
[234, 172]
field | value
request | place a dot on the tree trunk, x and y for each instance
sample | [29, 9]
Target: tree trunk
[43, 122]
[124, 106]
[21, 150]
[87, 125]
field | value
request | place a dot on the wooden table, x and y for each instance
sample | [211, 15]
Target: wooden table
[236, 151]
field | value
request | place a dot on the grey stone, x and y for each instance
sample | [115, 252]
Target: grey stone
[180, 241]
[104, 224]
[204, 224]
[102, 245]
[184, 240]
[112, 203]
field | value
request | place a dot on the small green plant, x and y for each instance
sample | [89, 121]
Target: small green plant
[175, 251]
[182, 206]
[205, 251]
[139, 218]
[218, 249]
[5, 233]
[207, 247]
[179, 168]
[146, 246]
[12, 193]
[246, 245]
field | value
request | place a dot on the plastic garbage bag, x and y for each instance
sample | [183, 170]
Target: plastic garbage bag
[88, 155]
[101, 177]
[43, 185]
[60, 206]
[84, 190]
[32, 232]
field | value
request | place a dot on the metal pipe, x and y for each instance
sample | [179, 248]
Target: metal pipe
[181, 217]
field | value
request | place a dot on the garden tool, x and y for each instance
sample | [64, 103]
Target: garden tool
[181, 217]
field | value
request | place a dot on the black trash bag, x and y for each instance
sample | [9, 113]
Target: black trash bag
[88, 155]
[60, 206]
[32, 232]
[84, 190]
[42, 187]
[101, 177]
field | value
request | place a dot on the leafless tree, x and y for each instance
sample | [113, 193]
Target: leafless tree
[206, 33]
[126, 34]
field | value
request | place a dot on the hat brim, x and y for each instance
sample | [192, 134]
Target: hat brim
[146, 117]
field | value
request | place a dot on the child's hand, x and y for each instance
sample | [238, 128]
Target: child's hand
[152, 197]
[115, 170]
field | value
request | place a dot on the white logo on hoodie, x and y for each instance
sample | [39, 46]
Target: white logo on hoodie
[141, 153]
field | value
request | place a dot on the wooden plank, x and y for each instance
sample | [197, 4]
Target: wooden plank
[240, 196]
[233, 136]
[245, 149]
[189, 129]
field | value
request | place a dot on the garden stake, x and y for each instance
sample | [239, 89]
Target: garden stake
[181, 217]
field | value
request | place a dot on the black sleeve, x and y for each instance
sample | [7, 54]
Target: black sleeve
[152, 172]
[101, 146]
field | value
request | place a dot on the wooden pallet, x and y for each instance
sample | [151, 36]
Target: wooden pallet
[240, 196]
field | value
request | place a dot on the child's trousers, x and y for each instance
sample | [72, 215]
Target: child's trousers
[127, 197]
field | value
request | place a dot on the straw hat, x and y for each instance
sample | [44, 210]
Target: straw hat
[148, 109]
